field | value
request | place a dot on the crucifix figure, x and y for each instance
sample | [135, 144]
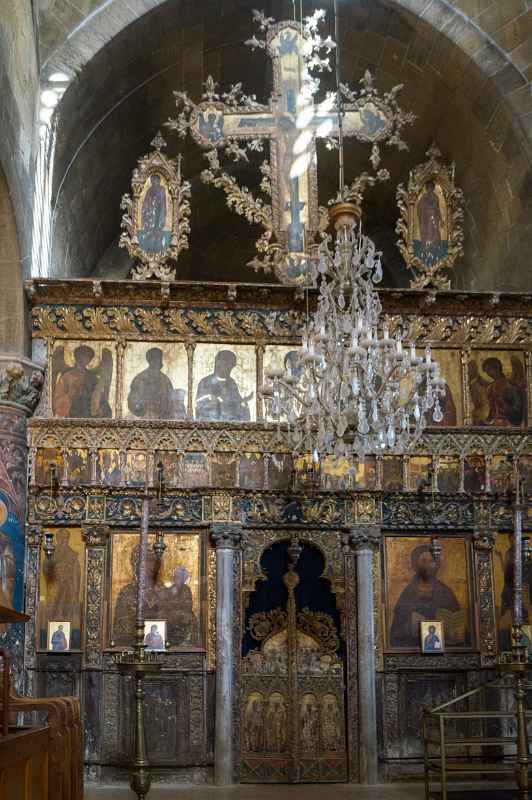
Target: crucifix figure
[291, 122]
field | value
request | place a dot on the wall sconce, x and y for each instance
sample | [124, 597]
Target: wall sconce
[435, 549]
[49, 545]
[159, 545]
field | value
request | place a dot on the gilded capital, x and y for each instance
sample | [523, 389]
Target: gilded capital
[95, 535]
[366, 537]
[227, 536]
[21, 382]
[483, 539]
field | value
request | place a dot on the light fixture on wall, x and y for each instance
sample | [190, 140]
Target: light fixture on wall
[355, 389]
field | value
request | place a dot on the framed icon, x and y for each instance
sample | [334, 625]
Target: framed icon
[59, 636]
[155, 634]
[432, 641]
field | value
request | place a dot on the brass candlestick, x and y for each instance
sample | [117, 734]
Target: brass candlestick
[139, 664]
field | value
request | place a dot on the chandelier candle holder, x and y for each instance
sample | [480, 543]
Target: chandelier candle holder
[139, 664]
[355, 389]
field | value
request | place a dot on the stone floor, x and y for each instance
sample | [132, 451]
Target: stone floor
[282, 792]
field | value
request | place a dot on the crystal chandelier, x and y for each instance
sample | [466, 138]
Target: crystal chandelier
[353, 389]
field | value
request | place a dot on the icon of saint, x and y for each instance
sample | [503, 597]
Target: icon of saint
[175, 603]
[152, 395]
[432, 641]
[153, 235]
[63, 581]
[211, 125]
[506, 396]
[430, 246]
[422, 599]
[218, 396]
[59, 640]
[153, 640]
[78, 390]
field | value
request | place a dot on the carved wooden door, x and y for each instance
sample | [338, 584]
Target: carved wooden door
[292, 707]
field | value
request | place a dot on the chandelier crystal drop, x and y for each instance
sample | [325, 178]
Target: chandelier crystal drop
[353, 389]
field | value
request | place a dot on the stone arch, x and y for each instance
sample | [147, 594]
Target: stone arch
[455, 75]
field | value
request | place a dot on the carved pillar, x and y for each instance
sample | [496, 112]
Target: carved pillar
[33, 571]
[20, 388]
[365, 540]
[227, 538]
[96, 540]
[484, 541]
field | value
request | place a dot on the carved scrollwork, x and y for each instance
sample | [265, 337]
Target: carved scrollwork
[320, 626]
[267, 623]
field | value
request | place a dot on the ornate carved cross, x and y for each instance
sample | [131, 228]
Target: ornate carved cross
[291, 122]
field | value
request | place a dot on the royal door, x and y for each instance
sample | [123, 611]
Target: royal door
[292, 700]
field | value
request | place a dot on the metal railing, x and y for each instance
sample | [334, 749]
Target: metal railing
[481, 734]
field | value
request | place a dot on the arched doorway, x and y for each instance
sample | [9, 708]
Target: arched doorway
[293, 685]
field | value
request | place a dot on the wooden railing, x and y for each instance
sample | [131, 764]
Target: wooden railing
[62, 721]
[25, 765]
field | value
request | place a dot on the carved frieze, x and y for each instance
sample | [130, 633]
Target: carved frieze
[251, 324]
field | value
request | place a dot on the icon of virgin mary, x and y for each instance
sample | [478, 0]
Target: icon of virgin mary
[153, 235]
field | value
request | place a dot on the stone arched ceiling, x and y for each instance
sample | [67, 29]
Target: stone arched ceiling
[469, 92]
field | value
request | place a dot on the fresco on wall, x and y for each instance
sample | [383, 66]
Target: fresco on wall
[61, 586]
[224, 384]
[11, 558]
[83, 379]
[172, 588]
[503, 588]
[419, 589]
[155, 380]
[497, 388]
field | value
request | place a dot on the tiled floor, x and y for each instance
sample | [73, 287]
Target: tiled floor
[301, 792]
[254, 792]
